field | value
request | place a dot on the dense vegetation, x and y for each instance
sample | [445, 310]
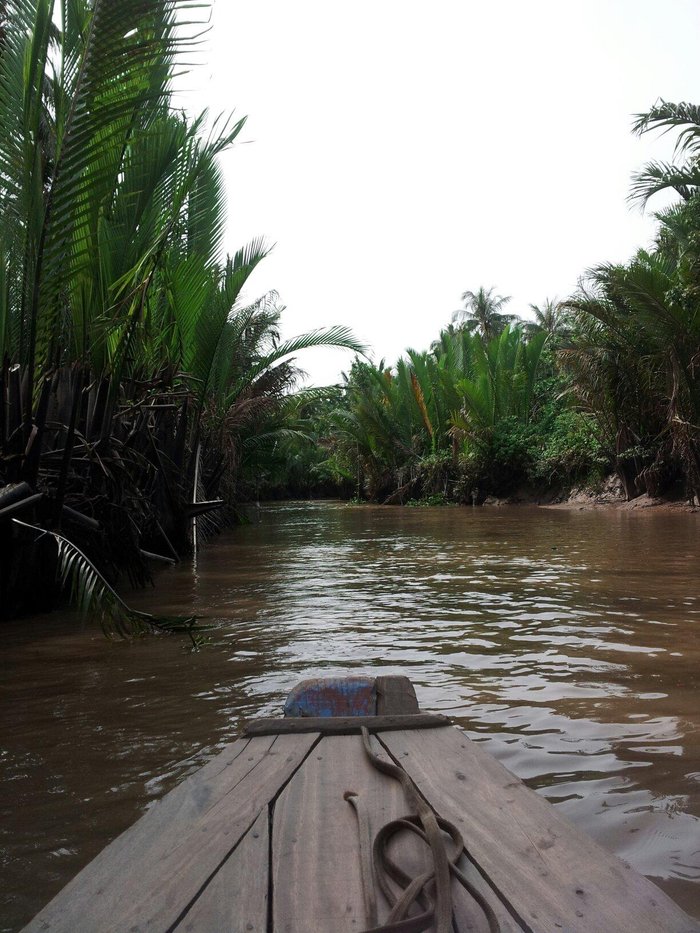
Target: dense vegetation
[142, 395]
[605, 381]
[138, 387]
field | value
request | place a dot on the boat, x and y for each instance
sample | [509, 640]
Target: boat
[356, 811]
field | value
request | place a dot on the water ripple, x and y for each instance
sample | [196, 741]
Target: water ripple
[566, 642]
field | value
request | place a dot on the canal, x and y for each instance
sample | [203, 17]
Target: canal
[567, 642]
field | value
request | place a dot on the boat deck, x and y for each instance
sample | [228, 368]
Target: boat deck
[262, 839]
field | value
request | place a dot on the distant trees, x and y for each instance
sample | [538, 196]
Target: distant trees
[483, 313]
[549, 317]
[414, 429]
[606, 379]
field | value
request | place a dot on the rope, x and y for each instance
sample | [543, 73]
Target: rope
[431, 890]
[366, 868]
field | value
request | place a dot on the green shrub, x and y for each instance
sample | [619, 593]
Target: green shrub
[567, 449]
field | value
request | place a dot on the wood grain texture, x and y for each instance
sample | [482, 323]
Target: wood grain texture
[342, 725]
[235, 900]
[554, 876]
[316, 875]
[147, 877]
[395, 695]
[314, 843]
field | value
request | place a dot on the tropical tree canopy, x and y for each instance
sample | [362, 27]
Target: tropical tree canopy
[403, 426]
[604, 380]
[483, 312]
[135, 371]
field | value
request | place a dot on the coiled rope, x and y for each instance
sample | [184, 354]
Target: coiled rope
[431, 890]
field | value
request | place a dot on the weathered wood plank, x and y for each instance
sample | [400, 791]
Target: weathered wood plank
[316, 874]
[185, 802]
[235, 900]
[413, 857]
[396, 695]
[316, 881]
[342, 725]
[554, 876]
[148, 877]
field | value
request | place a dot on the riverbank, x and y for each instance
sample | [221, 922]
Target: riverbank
[583, 502]
[607, 495]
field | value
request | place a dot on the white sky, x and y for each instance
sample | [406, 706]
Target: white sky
[398, 153]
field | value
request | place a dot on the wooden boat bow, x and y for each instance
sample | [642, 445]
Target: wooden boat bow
[266, 838]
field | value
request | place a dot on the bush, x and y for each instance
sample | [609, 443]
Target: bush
[435, 499]
[568, 450]
[434, 474]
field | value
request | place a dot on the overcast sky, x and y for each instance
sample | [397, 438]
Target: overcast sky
[398, 153]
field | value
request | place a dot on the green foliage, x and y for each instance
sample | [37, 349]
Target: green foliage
[137, 378]
[301, 463]
[430, 501]
[91, 594]
[608, 379]
[500, 382]
[682, 176]
[632, 362]
[566, 450]
[401, 431]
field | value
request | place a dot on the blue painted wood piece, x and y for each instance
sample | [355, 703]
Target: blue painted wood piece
[333, 696]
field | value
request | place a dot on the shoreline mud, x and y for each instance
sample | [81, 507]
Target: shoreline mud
[609, 495]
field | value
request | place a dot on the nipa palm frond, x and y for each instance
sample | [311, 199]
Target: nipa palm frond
[91, 594]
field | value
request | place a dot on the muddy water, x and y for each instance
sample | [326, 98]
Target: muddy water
[567, 642]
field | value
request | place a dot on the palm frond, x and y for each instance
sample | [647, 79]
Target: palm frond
[90, 593]
[666, 116]
[660, 176]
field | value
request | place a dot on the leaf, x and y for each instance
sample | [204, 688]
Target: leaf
[91, 594]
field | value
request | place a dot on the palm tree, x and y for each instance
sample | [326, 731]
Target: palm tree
[500, 383]
[550, 318]
[683, 174]
[482, 312]
[634, 360]
[547, 316]
[401, 427]
[128, 362]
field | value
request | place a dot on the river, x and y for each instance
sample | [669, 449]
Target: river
[567, 642]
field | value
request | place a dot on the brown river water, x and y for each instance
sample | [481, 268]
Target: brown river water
[567, 642]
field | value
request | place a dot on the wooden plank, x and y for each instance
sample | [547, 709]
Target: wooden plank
[470, 918]
[183, 803]
[396, 695]
[147, 878]
[316, 874]
[235, 899]
[314, 842]
[553, 875]
[342, 725]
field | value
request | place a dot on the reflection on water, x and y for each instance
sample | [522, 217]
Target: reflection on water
[567, 642]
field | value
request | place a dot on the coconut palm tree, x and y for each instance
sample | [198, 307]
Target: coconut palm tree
[548, 316]
[482, 312]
